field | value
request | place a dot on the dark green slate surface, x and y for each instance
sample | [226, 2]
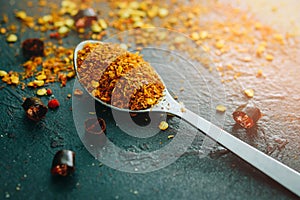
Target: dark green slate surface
[27, 150]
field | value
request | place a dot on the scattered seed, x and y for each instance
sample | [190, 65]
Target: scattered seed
[163, 12]
[49, 92]
[220, 108]
[11, 38]
[63, 30]
[163, 125]
[269, 57]
[41, 92]
[39, 83]
[41, 77]
[170, 136]
[249, 92]
[3, 73]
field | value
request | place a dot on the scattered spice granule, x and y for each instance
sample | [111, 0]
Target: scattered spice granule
[259, 73]
[249, 92]
[49, 92]
[3, 73]
[269, 57]
[220, 108]
[78, 92]
[41, 92]
[11, 38]
[163, 125]
[170, 136]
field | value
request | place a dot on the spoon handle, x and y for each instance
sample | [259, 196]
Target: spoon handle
[281, 173]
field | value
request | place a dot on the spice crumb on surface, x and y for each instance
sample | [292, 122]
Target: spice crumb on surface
[12, 38]
[249, 92]
[163, 125]
[221, 108]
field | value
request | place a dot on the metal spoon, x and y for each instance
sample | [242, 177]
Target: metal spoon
[281, 173]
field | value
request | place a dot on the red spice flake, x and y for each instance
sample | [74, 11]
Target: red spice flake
[54, 35]
[53, 103]
[49, 91]
[246, 116]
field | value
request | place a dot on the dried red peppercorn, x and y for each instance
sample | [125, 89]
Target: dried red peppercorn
[49, 91]
[53, 103]
[54, 35]
[63, 163]
[33, 47]
[246, 116]
[34, 108]
[95, 126]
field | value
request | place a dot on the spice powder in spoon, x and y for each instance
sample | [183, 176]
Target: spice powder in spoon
[118, 77]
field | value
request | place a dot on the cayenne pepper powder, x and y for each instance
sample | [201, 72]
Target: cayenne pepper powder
[117, 77]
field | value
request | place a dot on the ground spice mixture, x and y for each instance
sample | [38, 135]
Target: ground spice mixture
[237, 34]
[117, 77]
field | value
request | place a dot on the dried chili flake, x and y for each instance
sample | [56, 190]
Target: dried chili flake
[41, 92]
[11, 38]
[220, 108]
[246, 116]
[249, 92]
[49, 92]
[53, 103]
[3, 73]
[54, 35]
[170, 137]
[163, 125]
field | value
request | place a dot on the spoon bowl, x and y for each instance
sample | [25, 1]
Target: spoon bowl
[165, 104]
[281, 173]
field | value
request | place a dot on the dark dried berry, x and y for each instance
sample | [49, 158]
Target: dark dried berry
[34, 108]
[63, 163]
[85, 17]
[246, 116]
[33, 47]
